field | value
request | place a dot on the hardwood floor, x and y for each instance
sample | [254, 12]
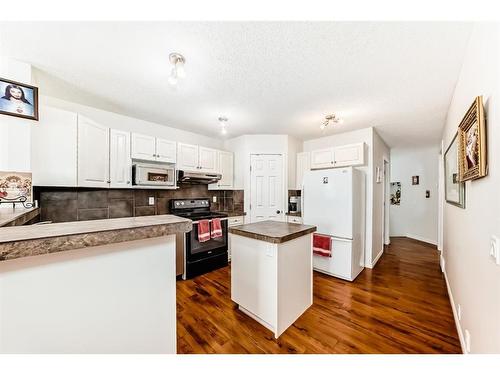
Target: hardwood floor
[401, 306]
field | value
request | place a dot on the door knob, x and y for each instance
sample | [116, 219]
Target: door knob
[278, 212]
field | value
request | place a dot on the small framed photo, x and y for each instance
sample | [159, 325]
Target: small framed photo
[18, 99]
[415, 180]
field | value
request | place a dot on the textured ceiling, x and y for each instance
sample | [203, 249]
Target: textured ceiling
[276, 77]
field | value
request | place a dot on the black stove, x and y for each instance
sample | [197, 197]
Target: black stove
[201, 257]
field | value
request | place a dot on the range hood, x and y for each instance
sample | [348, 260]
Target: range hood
[187, 177]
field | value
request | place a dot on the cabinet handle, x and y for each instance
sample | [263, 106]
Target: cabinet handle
[128, 182]
[108, 181]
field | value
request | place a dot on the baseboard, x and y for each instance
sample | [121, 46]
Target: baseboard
[453, 308]
[422, 239]
[374, 262]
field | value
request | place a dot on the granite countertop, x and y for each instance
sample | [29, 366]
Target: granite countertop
[299, 214]
[17, 216]
[272, 231]
[29, 240]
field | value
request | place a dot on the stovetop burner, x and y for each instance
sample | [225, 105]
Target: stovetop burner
[194, 209]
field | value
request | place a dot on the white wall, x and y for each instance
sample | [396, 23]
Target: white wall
[381, 152]
[473, 277]
[366, 136]
[15, 132]
[117, 121]
[417, 216]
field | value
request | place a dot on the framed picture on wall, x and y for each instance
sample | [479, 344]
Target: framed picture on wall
[454, 189]
[18, 99]
[472, 143]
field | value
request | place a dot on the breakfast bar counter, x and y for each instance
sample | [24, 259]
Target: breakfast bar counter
[271, 272]
[103, 286]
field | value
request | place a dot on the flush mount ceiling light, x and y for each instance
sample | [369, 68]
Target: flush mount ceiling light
[177, 72]
[330, 119]
[223, 124]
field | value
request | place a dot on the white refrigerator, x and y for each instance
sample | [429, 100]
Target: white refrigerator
[334, 201]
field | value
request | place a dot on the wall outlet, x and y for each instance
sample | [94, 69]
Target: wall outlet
[495, 249]
[467, 340]
[459, 311]
[151, 201]
[214, 198]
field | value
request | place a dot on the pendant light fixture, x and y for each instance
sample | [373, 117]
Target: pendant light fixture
[177, 72]
[223, 124]
[330, 120]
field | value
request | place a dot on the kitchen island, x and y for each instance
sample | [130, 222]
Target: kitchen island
[271, 272]
[102, 286]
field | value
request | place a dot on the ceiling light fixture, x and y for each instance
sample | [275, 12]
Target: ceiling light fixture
[330, 119]
[178, 61]
[223, 123]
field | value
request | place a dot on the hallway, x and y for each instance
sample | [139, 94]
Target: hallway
[401, 306]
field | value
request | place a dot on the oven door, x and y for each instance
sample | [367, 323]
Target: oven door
[196, 250]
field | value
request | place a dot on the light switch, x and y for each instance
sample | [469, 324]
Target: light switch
[151, 201]
[495, 249]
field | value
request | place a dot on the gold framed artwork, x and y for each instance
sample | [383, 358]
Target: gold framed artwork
[472, 143]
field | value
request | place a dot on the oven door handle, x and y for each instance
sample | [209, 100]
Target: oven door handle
[210, 220]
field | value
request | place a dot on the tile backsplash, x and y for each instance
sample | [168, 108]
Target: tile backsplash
[73, 204]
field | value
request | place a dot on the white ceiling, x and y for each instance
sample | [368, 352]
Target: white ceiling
[266, 77]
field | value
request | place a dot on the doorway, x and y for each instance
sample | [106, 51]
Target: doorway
[266, 187]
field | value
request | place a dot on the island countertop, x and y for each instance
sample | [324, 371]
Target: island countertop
[272, 231]
[22, 241]
[17, 216]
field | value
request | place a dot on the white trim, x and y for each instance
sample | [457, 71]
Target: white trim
[453, 308]
[374, 262]
[423, 239]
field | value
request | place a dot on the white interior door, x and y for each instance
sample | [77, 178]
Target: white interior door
[120, 162]
[266, 190]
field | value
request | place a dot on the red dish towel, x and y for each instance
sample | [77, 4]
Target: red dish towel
[322, 245]
[216, 228]
[203, 230]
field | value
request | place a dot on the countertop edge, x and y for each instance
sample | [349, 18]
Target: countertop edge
[272, 239]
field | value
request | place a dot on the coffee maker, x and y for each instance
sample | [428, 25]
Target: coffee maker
[294, 205]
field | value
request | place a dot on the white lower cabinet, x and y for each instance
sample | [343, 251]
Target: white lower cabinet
[120, 162]
[232, 222]
[54, 148]
[93, 153]
[294, 219]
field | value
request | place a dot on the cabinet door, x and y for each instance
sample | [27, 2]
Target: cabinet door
[303, 165]
[226, 169]
[143, 147]
[208, 160]
[120, 162]
[166, 151]
[53, 148]
[187, 157]
[322, 158]
[93, 153]
[349, 155]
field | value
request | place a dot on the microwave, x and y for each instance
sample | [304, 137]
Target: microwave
[153, 174]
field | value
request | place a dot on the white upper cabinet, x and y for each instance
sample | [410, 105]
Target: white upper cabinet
[207, 159]
[187, 157]
[226, 168]
[196, 158]
[93, 153]
[303, 165]
[322, 158]
[349, 155]
[166, 151]
[340, 156]
[146, 147]
[120, 162]
[143, 147]
[54, 148]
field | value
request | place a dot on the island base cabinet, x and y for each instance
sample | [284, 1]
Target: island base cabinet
[116, 298]
[272, 283]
